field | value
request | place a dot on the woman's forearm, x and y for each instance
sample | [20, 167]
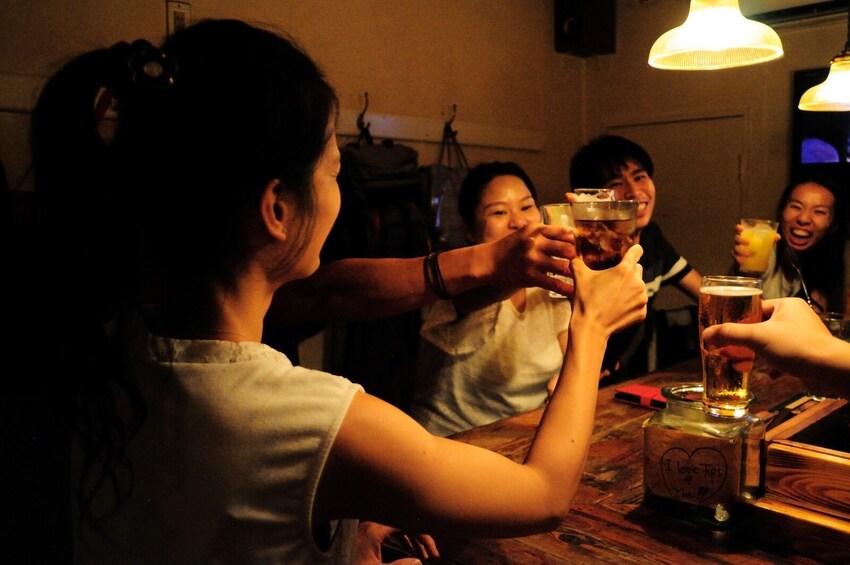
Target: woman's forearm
[563, 438]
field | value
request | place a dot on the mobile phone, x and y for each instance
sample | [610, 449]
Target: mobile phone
[641, 395]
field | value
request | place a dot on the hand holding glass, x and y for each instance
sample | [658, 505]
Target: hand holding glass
[605, 230]
[760, 236]
[726, 371]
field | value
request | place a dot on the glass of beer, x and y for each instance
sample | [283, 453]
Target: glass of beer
[726, 370]
[559, 214]
[605, 230]
[760, 236]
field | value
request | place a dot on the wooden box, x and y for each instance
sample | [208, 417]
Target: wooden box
[805, 506]
[808, 459]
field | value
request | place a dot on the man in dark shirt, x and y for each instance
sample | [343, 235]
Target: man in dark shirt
[611, 161]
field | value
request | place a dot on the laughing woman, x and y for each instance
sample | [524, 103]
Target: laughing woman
[813, 224]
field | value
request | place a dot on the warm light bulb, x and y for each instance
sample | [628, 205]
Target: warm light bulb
[833, 94]
[715, 36]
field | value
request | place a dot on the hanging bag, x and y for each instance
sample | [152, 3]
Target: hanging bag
[444, 179]
[384, 200]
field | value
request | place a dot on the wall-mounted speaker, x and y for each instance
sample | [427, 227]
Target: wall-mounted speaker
[586, 27]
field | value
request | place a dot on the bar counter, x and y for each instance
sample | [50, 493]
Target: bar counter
[608, 520]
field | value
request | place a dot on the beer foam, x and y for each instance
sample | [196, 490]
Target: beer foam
[730, 290]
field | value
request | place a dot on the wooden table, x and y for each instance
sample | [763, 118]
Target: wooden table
[608, 521]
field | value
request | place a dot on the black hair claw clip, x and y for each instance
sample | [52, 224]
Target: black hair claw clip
[150, 67]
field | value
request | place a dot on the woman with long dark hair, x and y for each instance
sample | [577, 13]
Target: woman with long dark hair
[193, 442]
[809, 260]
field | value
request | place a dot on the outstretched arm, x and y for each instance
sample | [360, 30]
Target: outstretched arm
[792, 339]
[370, 288]
[385, 467]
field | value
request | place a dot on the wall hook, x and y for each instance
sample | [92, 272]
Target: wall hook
[362, 126]
[452, 118]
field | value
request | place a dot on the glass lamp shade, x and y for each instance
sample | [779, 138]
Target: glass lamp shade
[833, 94]
[716, 35]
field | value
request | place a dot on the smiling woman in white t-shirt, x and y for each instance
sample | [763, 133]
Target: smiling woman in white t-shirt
[480, 364]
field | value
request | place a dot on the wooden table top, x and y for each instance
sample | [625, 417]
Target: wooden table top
[607, 522]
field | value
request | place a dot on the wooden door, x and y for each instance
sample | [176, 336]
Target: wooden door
[699, 165]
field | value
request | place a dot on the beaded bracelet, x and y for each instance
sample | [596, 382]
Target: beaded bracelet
[433, 276]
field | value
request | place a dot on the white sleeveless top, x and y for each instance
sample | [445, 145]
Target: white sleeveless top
[227, 462]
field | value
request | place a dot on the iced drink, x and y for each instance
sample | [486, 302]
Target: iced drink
[605, 230]
[726, 370]
[590, 194]
[760, 236]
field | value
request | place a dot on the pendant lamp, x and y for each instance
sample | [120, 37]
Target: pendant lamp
[833, 94]
[716, 35]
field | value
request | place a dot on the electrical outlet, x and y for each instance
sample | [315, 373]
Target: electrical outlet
[177, 16]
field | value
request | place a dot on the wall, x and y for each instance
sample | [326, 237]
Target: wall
[516, 97]
[415, 58]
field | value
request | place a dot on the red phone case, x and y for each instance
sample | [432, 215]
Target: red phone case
[641, 395]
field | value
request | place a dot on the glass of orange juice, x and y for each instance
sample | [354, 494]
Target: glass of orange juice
[760, 236]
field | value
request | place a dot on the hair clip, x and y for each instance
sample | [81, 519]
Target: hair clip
[150, 67]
